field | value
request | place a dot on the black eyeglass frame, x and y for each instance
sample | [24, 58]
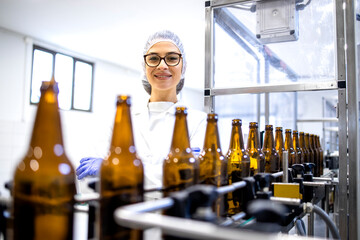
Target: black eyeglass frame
[163, 58]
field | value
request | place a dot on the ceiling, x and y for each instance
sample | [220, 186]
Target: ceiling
[111, 30]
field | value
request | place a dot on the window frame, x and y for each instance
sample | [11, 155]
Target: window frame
[75, 60]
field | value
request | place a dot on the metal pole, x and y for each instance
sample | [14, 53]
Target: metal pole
[342, 116]
[285, 166]
[209, 58]
[311, 224]
[326, 209]
[353, 119]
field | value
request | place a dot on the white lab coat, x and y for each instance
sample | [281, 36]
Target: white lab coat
[153, 126]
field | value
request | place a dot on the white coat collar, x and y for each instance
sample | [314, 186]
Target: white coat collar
[143, 107]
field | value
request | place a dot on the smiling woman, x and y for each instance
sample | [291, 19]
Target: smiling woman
[164, 69]
[164, 78]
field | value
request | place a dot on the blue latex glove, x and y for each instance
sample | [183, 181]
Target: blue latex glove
[88, 167]
[196, 151]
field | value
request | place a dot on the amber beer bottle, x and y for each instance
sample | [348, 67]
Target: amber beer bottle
[238, 165]
[121, 175]
[293, 158]
[303, 148]
[272, 160]
[321, 152]
[257, 159]
[44, 181]
[296, 145]
[180, 168]
[316, 155]
[311, 152]
[279, 144]
[213, 165]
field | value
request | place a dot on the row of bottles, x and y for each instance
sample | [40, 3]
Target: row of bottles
[44, 181]
[301, 147]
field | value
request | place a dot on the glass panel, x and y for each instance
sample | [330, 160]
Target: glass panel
[229, 107]
[319, 105]
[234, 66]
[42, 71]
[241, 51]
[64, 67]
[282, 110]
[82, 86]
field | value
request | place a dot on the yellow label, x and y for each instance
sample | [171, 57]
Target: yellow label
[287, 190]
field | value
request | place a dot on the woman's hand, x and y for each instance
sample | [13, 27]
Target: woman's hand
[88, 167]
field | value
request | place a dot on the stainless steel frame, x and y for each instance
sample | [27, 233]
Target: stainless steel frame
[348, 105]
[353, 119]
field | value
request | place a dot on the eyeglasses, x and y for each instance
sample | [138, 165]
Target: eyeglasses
[171, 59]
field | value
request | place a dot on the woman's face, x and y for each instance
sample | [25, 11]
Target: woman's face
[163, 78]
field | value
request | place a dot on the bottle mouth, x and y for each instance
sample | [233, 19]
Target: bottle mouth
[123, 99]
[45, 85]
[269, 127]
[212, 116]
[236, 121]
[181, 109]
[253, 124]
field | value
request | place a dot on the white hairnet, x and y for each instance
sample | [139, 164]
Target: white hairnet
[167, 36]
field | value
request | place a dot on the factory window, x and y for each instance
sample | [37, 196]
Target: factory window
[73, 75]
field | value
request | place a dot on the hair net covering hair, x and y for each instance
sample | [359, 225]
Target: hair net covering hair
[166, 36]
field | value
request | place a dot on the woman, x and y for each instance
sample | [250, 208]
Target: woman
[164, 68]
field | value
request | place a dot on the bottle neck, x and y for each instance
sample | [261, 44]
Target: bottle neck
[236, 140]
[253, 139]
[302, 141]
[47, 128]
[269, 139]
[212, 135]
[307, 142]
[296, 141]
[122, 132]
[180, 138]
[312, 143]
[288, 142]
[279, 141]
[318, 143]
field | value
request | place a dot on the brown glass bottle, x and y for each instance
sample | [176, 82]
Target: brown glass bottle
[180, 168]
[44, 181]
[121, 175]
[279, 144]
[296, 145]
[213, 165]
[293, 158]
[238, 165]
[307, 145]
[316, 155]
[272, 160]
[303, 148]
[257, 159]
[321, 153]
